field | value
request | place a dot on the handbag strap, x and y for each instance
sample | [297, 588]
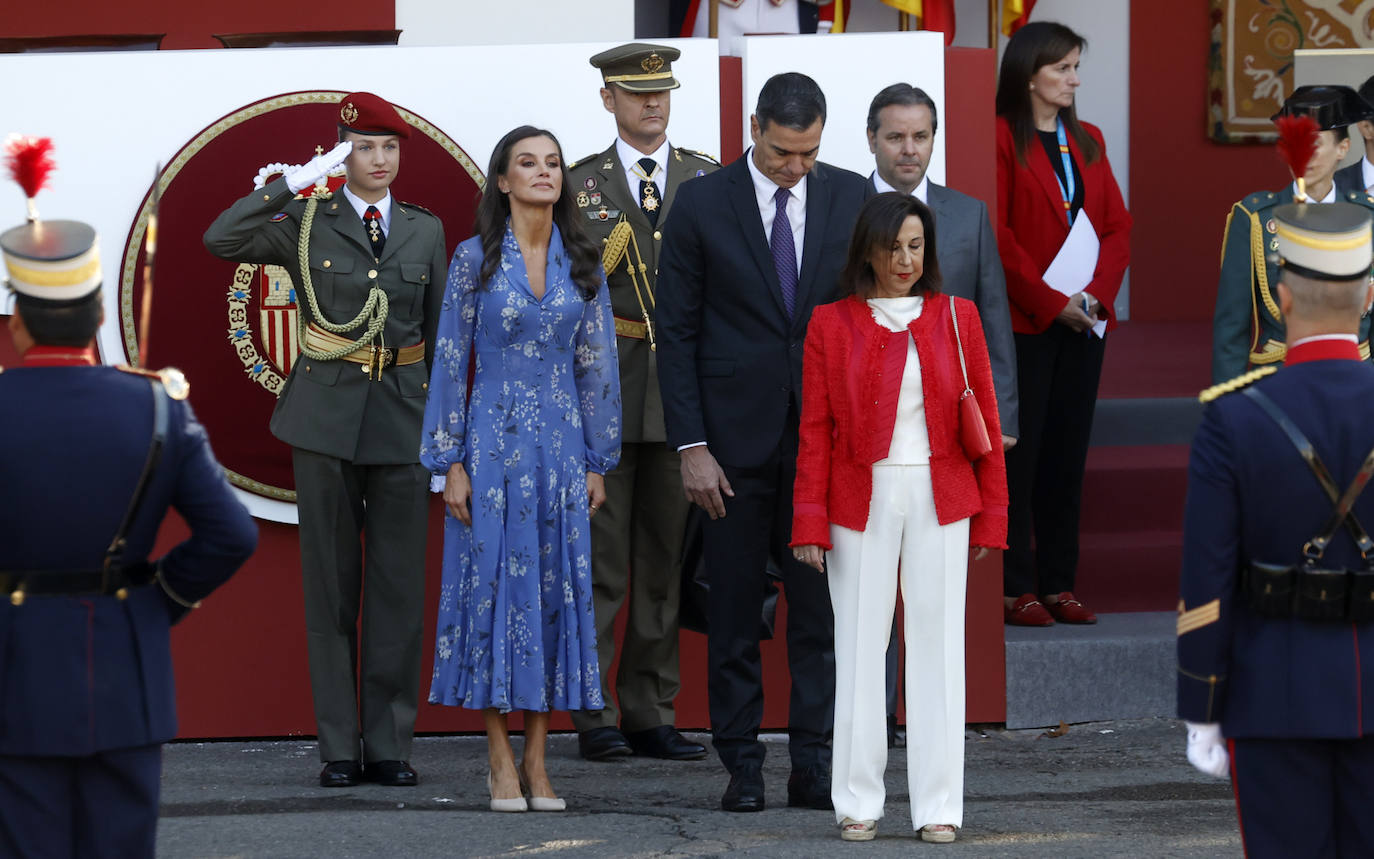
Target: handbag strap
[960, 343]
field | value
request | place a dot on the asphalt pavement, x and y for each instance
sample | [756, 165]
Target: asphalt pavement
[1100, 789]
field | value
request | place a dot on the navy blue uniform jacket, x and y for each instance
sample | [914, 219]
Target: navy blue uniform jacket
[1250, 496]
[80, 675]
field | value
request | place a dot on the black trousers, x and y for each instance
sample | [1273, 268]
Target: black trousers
[101, 805]
[757, 524]
[1308, 798]
[1057, 375]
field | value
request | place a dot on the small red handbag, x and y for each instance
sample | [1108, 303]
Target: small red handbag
[973, 430]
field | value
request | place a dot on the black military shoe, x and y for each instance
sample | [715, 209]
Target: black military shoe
[603, 744]
[745, 792]
[666, 743]
[391, 773]
[809, 788]
[341, 774]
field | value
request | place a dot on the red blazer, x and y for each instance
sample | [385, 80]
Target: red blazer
[852, 373]
[1032, 224]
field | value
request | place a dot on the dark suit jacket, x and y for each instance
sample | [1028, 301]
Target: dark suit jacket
[1031, 227]
[970, 268]
[81, 675]
[1251, 497]
[1350, 178]
[329, 406]
[729, 358]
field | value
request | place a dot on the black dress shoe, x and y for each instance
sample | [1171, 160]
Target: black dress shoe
[391, 773]
[896, 734]
[665, 742]
[341, 774]
[745, 792]
[603, 744]
[809, 788]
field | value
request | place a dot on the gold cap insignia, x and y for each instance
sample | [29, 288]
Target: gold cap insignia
[652, 63]
[348, 113]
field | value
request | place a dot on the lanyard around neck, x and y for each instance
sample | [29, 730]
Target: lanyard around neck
[1066, 183]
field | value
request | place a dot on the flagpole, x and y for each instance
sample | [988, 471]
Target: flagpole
[713, 18]
[993, 22]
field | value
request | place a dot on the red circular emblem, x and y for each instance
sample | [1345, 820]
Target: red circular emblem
[231, 327]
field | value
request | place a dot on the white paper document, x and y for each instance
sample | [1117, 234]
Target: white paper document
[1073, 267]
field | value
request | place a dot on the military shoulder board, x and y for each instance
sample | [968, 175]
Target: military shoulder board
[1235, 384]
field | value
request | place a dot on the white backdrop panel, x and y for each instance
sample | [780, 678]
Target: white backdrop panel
[850, 71]
[114, 116]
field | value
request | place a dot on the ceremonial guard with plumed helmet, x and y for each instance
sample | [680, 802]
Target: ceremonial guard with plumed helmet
[91, 458]
[1276, 614]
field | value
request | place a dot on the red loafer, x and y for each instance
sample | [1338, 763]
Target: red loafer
[1070, 610]
[1027, 611]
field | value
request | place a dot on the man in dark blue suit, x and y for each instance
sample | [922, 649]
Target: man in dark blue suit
[91, 459]
[1276, 619]
[750, 250]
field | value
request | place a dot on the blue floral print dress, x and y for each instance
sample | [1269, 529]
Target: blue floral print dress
[516, 629]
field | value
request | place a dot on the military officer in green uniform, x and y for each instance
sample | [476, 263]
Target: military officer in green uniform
[1247, 327]
[625, 195]
[369, 273]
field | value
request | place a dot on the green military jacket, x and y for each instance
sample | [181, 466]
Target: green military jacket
[332, 407]
[1247, 327]
[604, 200]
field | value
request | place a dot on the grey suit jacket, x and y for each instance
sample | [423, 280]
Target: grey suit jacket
[970, 268]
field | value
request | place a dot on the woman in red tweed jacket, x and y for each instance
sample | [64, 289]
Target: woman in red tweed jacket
[883, 485]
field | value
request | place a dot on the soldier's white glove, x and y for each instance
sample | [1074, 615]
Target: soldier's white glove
[317, 168]
[1206, 749]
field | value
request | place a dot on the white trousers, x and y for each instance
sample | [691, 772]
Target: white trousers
[862, 570]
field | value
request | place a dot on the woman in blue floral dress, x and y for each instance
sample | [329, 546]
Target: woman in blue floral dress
[523, 453]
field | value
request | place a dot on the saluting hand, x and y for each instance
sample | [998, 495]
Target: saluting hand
[318, 167]
[458, 493]
[703, 481]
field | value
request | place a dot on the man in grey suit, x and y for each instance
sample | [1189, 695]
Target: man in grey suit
[902, 121]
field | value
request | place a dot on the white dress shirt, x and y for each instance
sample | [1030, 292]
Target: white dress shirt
[629, 160]
[360, 206]
[919, 192]
[910, 439]
[1329, 198]
[1367, 167]
[764, 189]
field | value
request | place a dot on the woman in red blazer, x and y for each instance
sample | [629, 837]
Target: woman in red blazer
[883, 484]
[1052, 170]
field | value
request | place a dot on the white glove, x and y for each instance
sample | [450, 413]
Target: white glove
[1206, 749]
[317, 168]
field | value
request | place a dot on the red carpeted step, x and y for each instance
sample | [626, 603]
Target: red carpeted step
[1157, 359]
[1135, 571]
[1128, 489]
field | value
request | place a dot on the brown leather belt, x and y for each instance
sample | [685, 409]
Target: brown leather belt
[376, 358]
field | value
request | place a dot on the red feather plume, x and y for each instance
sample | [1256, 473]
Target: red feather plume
[1297, 142]
[30, 162]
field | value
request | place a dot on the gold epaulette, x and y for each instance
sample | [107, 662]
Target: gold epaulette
[698, 153]
[1235, 384]
[416, 207]
[173, 380]
[584, 159]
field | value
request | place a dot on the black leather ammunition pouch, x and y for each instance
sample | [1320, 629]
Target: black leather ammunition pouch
[1268, 589]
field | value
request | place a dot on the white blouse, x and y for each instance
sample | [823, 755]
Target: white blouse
[910, 441]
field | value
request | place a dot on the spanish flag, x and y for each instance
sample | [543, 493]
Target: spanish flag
[1015, 13]
[934, 14]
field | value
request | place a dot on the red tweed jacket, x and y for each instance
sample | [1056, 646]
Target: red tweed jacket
[852, 372]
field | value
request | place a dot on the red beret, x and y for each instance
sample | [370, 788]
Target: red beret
[366, 113]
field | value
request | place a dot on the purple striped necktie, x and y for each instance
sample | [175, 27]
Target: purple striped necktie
[784, 249]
